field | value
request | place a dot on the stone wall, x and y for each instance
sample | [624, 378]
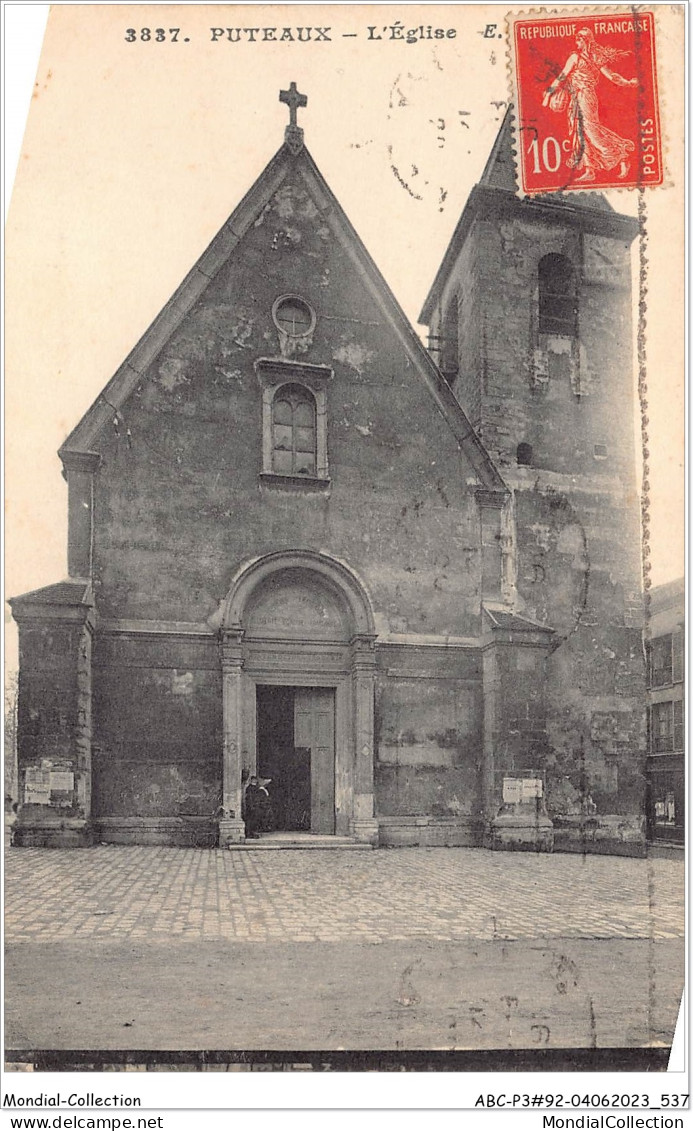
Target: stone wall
[157, 721]
[179, 501]
[428, 735]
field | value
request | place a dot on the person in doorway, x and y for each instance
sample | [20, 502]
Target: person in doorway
[11, 815]
[258, 810]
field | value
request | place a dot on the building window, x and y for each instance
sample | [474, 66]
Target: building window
[293, 316]
[294, 432]
[294, 422]
[666, 659]
[662, 728]
[667, 808]
[679, 728]
[661, 666]
[557, 296]
[524, 455]
[667, 728]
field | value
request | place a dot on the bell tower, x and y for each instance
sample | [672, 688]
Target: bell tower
[534, 299]
[530, 314]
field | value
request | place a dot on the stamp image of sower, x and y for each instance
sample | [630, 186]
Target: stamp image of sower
[586, 100]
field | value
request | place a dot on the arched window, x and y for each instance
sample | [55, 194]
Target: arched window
[294, 442]
[557, 296]
[524, 455]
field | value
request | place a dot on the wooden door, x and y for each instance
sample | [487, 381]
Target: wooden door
[314, 729]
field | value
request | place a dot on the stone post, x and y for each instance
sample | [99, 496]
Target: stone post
[514, 652]
[231, 823]
[363, 825]
[492, 710]
[54, 725]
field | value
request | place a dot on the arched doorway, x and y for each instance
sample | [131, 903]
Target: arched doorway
[298, 665]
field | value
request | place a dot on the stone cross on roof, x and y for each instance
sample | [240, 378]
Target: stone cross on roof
[293, 134]
[293, 100]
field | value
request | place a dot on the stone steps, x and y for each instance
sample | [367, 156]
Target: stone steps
[274, 842]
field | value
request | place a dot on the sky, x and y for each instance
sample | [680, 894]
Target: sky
[136, 150]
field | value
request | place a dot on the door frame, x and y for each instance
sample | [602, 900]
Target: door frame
[341, 816]
[347, 665]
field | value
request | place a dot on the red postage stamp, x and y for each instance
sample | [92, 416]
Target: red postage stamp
[586, 101]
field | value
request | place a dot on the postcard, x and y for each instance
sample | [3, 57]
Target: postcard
[344, 566]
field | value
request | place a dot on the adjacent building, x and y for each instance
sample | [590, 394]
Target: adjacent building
[665, 642]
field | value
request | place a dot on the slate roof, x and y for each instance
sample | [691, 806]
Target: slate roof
[513, 622]
[61, 593]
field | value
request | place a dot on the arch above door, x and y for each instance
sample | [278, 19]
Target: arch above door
[333, 574]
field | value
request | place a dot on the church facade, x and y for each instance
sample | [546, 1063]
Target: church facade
[403, 584]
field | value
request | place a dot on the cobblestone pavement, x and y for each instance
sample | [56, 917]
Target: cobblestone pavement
[154, 893]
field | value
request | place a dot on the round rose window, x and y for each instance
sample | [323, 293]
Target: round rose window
[293, 315]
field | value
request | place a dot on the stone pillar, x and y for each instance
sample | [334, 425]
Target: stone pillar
[231, 823]
[54, 729]
[363, 825]
[514, 652]
[491, 504]
[491, 698]
[79, 469]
